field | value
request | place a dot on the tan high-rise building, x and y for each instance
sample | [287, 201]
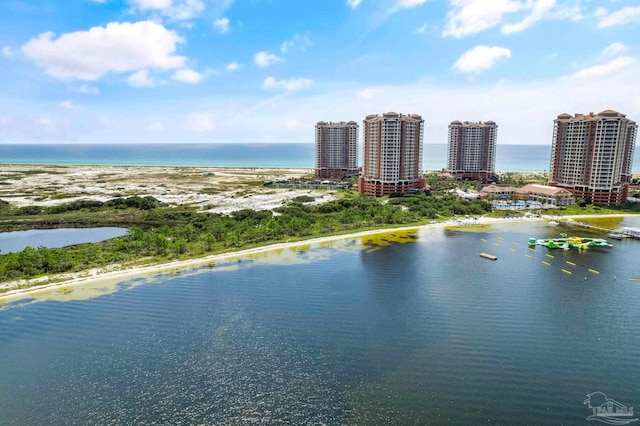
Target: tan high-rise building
[592, 156]
[471, 150]
[392, 155]
[336, 149]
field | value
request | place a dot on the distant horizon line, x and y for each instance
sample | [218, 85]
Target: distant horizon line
[216, 143]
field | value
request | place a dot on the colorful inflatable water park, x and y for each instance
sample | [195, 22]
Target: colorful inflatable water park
[564, 242]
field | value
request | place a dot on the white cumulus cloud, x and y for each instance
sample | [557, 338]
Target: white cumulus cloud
[600, 71]
[289, 85]
[180, 10]
[152, 4]
[619, 17]
[481, 58]
[118, 47]
[541, 8]
[221, 25]
[265, 59]
[353, 3]
[187, 75]
[406, 4]
[469, 17]
[141, 78]
[233, 66]
[299, 41]
[615, 49]
[187, 9]
[7, 52]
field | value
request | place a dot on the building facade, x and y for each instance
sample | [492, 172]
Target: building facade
[550, 195]
[336, 150]
[392, 154]
[592, 156]
[471, 150]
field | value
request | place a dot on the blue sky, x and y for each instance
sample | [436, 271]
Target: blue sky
[138, 71]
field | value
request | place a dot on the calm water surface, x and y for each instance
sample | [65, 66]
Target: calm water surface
[522, 158]
[384, 330]
[52, 238]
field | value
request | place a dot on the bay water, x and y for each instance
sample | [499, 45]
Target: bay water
[398, 328]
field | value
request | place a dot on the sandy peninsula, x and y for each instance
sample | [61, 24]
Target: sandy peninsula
[214, 189]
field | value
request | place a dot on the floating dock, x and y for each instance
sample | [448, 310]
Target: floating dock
[566, 243]
[488, 256]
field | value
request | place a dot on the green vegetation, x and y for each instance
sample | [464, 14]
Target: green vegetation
[438, 183]
[590, 209]
[161, 233]
[519, 180]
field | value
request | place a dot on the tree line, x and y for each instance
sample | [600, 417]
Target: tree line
[163, 233]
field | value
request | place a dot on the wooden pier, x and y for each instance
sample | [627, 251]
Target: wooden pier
[572, 223]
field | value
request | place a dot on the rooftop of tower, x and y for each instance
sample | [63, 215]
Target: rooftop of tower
[336, 124]
[607, 113]
[392, 115]
[489, 123]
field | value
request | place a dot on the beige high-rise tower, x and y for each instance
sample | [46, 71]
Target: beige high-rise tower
[336, 149]
[592, 156]
[471, 150]
[392, 155]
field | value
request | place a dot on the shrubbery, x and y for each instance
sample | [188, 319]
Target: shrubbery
[168, 233]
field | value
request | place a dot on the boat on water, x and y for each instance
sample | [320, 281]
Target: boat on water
[553, 223]
[565, 242]
[617, 235]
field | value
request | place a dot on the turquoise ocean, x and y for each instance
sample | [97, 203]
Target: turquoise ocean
[525, 158]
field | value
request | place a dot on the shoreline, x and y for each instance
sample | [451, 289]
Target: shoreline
[96, 276]
[180, 265]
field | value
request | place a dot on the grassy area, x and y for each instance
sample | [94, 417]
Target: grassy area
[598, 210]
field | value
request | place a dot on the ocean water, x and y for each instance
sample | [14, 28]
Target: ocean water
[528, 158]
[375, 330]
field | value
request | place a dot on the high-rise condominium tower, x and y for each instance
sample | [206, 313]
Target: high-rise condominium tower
[592, 156]
[392, 156]
[472, 150]
[336, 149]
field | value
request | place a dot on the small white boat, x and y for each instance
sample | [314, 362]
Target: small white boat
[617, 235]
[553, 223]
